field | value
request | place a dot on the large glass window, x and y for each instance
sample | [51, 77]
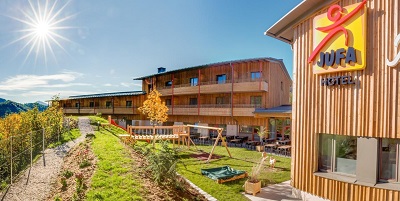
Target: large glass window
[193, 101]
[255, 100]
[194, 81]
[255, 75]
[337, 153]
[389, 154]
[108, 104]
[221, 79]
[219, 100]
[168, 102]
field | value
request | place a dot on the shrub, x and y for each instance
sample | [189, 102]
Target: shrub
[162, 163]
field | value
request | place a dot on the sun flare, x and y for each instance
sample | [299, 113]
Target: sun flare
[42, 33]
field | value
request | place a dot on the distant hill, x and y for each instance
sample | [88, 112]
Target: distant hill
[9, 107]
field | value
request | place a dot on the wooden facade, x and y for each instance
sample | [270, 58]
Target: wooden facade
[114, 105]
[231, 101]
[369, 108]
[195, 95]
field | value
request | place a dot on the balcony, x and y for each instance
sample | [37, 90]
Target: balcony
[126, 110]
[103, 110]
[213, 110]
[243, 85]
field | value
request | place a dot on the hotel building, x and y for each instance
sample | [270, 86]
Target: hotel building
[238, 95]
[346, 106]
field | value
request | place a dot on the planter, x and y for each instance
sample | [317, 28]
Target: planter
[260, 148]
[252, 188]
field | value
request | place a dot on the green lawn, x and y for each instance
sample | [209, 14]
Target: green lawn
[242, 159]
[113, 178]
[66, 136]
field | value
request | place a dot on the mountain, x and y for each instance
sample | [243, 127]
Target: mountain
[9, 107]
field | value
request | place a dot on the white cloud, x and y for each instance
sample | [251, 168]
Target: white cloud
[108, 85]
[29, 82]
[129, 84]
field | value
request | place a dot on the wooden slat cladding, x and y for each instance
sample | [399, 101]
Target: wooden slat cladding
[369, 108]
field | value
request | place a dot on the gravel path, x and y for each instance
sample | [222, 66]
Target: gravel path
[35, 183]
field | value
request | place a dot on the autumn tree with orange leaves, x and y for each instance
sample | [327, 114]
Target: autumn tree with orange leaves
[154, 108]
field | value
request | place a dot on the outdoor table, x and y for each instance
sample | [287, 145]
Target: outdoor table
[271, 147]
[284, 142]
[203, 138]
[285, 149]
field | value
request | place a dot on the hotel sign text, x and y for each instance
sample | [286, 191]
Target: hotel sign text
[339, 39]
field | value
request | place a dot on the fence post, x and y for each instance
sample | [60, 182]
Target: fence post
[11, 159]
[31, 149]
[44, 162]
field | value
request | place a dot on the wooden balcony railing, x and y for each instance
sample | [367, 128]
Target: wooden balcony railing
[103, 110]
[241, 85]
[214, 109]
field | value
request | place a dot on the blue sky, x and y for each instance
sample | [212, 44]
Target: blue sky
[103, 45]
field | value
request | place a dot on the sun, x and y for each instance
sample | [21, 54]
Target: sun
[43, 23]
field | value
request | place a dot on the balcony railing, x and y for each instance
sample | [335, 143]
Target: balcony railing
[104, 110]
[213, 82]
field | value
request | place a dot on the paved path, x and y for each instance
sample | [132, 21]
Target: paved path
[280, 192]
[35, 183]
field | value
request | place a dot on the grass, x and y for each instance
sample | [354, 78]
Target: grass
[242, 159]
[114, 178]
[65, 137]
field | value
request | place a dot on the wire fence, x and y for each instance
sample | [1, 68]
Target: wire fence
[20, 151]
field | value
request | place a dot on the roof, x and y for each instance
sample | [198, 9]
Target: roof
[280, 61]
[282, 30]
[127, 93]
[280, 111]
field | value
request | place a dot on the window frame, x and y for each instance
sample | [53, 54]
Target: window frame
[91, 104]
[194, 81]
[253, 101]
[397, 165]
[168, 83]
[128, 105]
[257, 75]
[191, 101]
[109, 104]
[221, 81]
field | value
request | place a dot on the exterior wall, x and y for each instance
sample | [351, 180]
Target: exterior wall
[369, 108]
[118, 107]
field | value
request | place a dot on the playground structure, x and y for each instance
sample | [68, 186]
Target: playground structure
[181, 133]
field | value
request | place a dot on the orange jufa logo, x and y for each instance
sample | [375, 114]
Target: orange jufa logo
[339, 39]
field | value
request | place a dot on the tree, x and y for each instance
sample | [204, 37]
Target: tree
[154, 109]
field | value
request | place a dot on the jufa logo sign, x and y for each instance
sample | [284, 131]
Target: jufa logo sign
[339, 39]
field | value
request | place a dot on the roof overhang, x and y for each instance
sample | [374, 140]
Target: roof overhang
[283, 111]
[282, 30]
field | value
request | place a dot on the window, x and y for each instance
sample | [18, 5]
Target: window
[221, 79]
[167, 101]
[219, 100]
[337, 153]
[281, 86]
[389, 155]
[255, 75]
[255, 100]
[91, 104]
[194, 81]
[168, 83]
[149, 87]
[193, 101]
[128, 103]
[248, 129]
[108, 104]
[77, 105]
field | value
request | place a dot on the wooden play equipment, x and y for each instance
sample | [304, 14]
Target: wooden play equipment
[153, 133]
[219, 137]
[180, 133]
